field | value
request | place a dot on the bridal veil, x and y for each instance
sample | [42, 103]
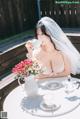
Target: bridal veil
[62, 42]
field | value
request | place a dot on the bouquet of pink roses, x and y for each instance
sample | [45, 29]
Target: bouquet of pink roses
[25, 68]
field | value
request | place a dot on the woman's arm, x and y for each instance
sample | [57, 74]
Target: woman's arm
[29, 47]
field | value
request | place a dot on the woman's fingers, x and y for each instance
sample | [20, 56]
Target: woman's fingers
[39, 76]
[28, 44]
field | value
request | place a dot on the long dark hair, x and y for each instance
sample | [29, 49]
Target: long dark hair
[43, 29]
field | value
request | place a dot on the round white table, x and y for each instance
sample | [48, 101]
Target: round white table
[16, 104]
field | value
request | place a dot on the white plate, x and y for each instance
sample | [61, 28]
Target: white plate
[53, 107]
[52, 85]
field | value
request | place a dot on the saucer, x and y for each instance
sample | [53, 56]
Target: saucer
[45, 107]
[54, 85]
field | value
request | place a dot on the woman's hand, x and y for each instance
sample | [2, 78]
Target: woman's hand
[29, 45]
[48, 75]
[41, 76]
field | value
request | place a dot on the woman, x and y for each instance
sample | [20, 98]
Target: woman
[57, 53]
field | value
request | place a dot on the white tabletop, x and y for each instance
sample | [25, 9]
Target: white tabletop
[15, 105]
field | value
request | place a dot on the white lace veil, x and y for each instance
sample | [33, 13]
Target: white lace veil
[62, 42]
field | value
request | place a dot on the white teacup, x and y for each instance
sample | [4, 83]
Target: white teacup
[36, 43]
